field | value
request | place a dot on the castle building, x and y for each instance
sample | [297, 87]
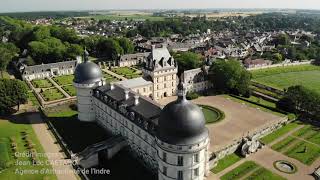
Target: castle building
[172, 142]
[159, 75]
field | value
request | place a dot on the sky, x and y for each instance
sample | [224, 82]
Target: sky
[55, 5]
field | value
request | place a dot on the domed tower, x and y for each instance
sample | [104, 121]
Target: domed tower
[87, 76]
[182, 140]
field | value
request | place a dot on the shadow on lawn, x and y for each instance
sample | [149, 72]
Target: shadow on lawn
[24, 118]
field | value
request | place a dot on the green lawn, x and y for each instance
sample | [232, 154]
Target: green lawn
[109, 78]
[240, 171]
[280, 146]
[12, 133]
[304, 152]
[278, 133]
[255, 172]
[41, 83]
[33, 99]
[284, 77]
[70, 90]
[264, 174]
[211, 114]
[301, 150]
[64, 80]
[226, 162]
[52, 94]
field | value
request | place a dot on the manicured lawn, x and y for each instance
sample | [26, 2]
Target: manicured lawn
[240, 171]
[226, 162]
[309, 133]
[52, 94]
[284, 77]
[264, 174]
[70, 90]
[304, 152]
[280, 146]
[41, 83]
[126, 72]
[212, 114]
[25, 140]
[258, 172]
[64, 80]
[278, 133]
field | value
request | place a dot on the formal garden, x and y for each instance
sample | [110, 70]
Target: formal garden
[20, 138]
[51, 94]
[212, 114]
[64, 80]
[226, 162]
[70, 89]
[109, 78]
[250, 170]
[41, 83]
[303, 145]
[284, 77]
[127, 72]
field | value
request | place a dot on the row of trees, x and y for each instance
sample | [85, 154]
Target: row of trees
[7, 52]
[12, 93]
[299, 99]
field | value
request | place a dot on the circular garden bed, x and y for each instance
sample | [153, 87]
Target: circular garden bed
[285, 166]
[212, 114]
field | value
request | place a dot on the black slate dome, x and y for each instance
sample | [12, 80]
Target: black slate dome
[87, 72]
[181, 123]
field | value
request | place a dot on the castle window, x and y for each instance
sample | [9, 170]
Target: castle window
[164, 170]
[164, 157]
[196, 158]
[180, 160]
[180, 175]
[196, 172]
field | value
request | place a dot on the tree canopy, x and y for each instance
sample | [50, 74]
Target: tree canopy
[300, 99]
[187, 60]
[12, 93]
[230, 77]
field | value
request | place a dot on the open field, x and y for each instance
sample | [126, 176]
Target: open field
[284, 77]
[122, 17]
[20, 138]
[64, 80]
[41, 83]
[52, 94]
[249, 170]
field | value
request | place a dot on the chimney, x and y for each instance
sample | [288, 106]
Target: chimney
[136, 100]
[111, 86]
[126, 94]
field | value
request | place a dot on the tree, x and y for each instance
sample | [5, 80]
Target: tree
[230, 77]
[187, 60]
[5, 57]
[126, 45]
[73, 50]
[277, 57]
[109, 48]
[12, 93]
[38, 50]
[40, 33]
[300, 99]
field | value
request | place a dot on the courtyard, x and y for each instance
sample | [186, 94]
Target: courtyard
[127, 72]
